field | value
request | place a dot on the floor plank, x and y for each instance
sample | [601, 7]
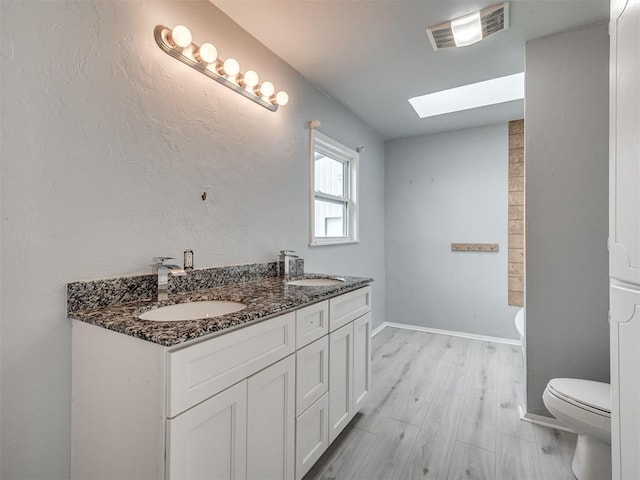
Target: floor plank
[484, 366]
[517, 459]
[389, 453]
[510, 394]
[470, 462]
[431, 454]
[343, 458]
[477, 433]
[411, 400]
[555, 449]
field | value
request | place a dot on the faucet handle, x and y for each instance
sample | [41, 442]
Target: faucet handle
[161, 260]
[287, 252]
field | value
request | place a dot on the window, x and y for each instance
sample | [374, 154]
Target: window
[334, 213]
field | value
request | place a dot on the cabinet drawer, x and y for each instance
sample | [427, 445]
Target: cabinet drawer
[348, 307]
[199, 371]
[312, 373]
[312, 322]
[312, 435]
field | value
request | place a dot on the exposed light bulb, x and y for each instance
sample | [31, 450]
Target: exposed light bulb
[249, 79]
[266, 89]
[467, 30]
[206, 53]
[281, 98]
[231, 67]
[180, 36]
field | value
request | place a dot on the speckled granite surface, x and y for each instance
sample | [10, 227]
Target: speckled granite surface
[265, 297]
[115, 291]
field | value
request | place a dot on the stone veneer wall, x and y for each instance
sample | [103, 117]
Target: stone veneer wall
[516, 213]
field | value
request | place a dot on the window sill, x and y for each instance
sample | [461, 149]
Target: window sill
[321, 243]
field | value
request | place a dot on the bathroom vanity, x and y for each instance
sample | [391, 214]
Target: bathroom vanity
[257, 395]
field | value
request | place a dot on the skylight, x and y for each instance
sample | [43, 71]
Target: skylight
[474, 95]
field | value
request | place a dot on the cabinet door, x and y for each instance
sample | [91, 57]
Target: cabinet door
[271, 422]
[312, 373]
[625, 382]
[340, 379]
[361, 360]
[624, 175]
[312, 435]
[210, 440]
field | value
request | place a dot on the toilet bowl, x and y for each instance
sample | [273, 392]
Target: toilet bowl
[584, 407]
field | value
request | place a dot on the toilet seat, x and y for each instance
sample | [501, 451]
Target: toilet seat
[594, 397]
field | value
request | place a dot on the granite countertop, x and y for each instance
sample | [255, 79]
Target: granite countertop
[265, 298]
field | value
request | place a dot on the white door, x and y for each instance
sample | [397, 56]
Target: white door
[340, 379]
[271, 421]
[625, 382]
[312, 435]
[210, 440]
[624, 233]
[361, 360]
[624, 175]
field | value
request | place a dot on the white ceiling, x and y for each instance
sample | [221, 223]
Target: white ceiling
[372, 56]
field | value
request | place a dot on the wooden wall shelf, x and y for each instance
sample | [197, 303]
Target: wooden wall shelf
[474, 247]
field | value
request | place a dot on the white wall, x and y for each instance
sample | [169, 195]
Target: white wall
[441, 189]
[107, 144]
[567, 209]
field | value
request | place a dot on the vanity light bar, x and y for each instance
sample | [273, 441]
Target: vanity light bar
[177, 43]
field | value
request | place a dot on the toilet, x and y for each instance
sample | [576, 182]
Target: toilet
[584, 407]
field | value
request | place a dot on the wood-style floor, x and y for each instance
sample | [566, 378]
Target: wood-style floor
[445, 407]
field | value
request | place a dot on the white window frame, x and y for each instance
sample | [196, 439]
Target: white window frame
[333, 149]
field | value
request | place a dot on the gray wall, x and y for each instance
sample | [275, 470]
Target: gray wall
[567, 209]
[107, 146]
[441, 189]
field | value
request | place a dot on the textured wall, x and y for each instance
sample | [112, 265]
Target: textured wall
[107, 145]
[442, 189]
[567, 209]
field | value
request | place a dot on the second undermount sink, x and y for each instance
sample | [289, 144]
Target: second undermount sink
[192, 311]
[316, 282]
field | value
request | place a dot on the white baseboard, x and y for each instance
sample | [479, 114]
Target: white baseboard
[378, 329]
[544, 421]
[452, 333]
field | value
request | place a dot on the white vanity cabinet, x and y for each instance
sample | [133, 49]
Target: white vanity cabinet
[252, 403]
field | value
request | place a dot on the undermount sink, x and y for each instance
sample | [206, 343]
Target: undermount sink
[316, 282]
[192, 311]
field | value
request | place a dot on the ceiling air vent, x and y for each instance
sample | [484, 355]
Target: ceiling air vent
[492, 19]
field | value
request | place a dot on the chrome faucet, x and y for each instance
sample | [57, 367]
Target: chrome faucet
[162, 270]
[285, 257]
